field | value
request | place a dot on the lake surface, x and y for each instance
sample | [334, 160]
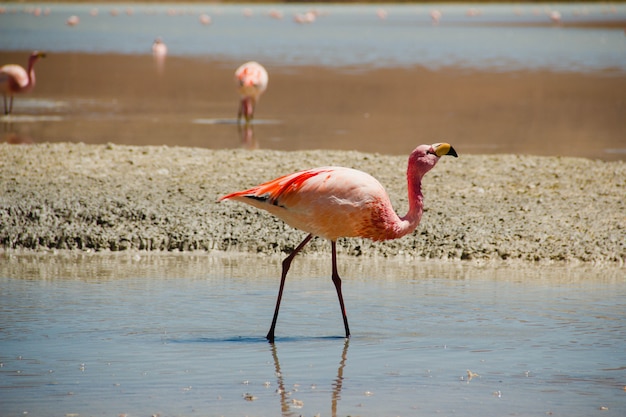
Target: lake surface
[181, 335]
[504, 37]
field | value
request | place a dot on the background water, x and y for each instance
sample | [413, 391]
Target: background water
[504, 37]
[174, 335]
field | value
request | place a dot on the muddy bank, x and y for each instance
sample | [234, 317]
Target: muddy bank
[128, 100]
[497, 207]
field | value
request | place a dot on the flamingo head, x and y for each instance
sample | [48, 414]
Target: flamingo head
[36, 55]
[425, 157]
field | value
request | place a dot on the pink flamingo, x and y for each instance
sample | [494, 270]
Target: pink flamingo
[205, 19]
[334, 202]
[251, 79]
[15, 79]
[435, 16]
[159, 49]
[72, 20]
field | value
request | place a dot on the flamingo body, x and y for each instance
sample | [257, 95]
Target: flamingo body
[251, 79]
[333, 202]
[330, 202]
[159, 48]
[14, 79]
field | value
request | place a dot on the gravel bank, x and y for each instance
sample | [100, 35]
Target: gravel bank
[482, 208]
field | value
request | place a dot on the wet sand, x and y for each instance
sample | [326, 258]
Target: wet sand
[189, 101]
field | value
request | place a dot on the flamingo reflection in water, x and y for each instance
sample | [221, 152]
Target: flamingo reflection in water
[286, 402]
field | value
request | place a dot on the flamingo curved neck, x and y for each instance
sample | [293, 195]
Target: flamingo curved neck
[412, 219]
[31, 74]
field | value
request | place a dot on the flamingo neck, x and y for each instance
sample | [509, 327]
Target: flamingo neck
[31, 73]
[412, 219]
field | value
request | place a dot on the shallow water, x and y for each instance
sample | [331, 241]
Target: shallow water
[183, 335]
[507, 37]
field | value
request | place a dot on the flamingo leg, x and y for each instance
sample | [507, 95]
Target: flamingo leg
[286, 265]
[337, 282]
[6, 110]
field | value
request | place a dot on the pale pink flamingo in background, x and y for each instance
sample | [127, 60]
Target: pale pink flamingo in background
[435, 16]
[204, 19]
[276, 14]
[251, 79]
[308, 17]
[72, 20]
[159, 52]
[14, 79]
[159, 49]
[334, 202]
[555, 16]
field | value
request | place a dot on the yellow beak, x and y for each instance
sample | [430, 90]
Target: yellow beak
[442, 149]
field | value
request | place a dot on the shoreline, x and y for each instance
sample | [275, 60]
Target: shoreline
[481, 208]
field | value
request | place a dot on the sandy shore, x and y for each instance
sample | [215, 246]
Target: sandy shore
[480, 208]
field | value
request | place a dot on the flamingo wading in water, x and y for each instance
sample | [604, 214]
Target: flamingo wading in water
[251, 79]
[15, 79]
[334, 202]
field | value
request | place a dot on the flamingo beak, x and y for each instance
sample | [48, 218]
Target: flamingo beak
[442, 149]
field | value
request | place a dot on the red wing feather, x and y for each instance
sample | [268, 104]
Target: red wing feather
[272, 191]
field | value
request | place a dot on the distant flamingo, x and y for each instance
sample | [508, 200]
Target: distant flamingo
[435, 16]
[251, 79]
[308, 17]
[14, 79]
[334, 202]
[205, 19]
[555, 16]
[159, 49]
[72, 20]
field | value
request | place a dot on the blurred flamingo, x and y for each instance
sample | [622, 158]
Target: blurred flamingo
[14, 79]
[276, 14]
[555, 16]
[334, 202]
[251, 79]
[159, 49]
[308, 17]
[205, 19]
[435, 16]
[72, 21]
[159, 52]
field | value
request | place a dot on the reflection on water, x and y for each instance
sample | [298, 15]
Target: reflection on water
[288, 402]
[145, 334]
[246, 132]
